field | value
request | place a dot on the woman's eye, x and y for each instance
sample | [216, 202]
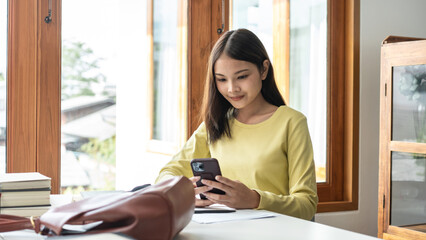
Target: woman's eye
[243, 77]
[220, 79]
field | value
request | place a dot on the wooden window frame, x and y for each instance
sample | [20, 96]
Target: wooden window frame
[33, 89]
[340, 191]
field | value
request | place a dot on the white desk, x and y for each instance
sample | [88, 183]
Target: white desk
[280, 227]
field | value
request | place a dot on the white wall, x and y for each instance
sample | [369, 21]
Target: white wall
[378, 19]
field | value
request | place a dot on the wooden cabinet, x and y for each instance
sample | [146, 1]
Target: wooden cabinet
[402, 176]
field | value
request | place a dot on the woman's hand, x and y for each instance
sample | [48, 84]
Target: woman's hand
[198, 190]
[237, 194]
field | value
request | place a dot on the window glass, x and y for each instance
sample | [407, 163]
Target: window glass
[3, 60]
[90, 72]
[105, 107]
[166, 77]
[255, 15]
[308, 75]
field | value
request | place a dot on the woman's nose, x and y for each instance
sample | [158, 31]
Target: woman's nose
[233, 87]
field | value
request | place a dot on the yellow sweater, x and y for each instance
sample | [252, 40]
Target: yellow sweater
[274, 158]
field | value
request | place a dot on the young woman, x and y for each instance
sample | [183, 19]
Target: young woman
[263, 147]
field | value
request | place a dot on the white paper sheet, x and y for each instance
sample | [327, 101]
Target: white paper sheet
[239, 215]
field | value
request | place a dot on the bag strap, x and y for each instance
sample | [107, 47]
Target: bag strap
[12, 223]
[56, 217]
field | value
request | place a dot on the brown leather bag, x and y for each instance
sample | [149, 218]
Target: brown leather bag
[157, 212]
[12, 223]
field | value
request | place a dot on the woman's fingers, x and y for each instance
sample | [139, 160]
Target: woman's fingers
[202, 189]
[194, 180]
[202, 203]
[217, 185]
[199, 190]
[226, 181]
[237, 194]
[218, 198]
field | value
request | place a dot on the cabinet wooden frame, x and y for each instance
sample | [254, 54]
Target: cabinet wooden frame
[396, 51]
[340, 191]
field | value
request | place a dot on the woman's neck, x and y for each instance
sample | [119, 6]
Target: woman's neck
[257, 112]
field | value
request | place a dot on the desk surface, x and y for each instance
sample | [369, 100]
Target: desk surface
[280, 227]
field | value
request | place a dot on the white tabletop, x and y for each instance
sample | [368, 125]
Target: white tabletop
[279, 227]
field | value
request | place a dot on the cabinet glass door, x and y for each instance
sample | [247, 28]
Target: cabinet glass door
[409, 103]
[408, 190]
[408, 170]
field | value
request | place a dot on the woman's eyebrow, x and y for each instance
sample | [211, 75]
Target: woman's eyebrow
[237, 72]
[243, 70]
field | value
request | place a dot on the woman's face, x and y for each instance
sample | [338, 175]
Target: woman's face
[238, 81]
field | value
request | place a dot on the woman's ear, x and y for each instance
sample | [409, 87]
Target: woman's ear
[265, 69]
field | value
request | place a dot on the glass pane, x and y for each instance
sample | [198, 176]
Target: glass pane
[255, 15]
[308, 74]
[409, 104]
[408, 193]
[166, 77]
[90, 71]
[3, 60]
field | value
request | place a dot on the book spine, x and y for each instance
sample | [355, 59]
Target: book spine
[43, 205]
[25, 190]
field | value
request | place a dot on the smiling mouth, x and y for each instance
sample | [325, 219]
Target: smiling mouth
[236, 98]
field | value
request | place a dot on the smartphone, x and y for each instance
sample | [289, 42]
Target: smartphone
[206, 168]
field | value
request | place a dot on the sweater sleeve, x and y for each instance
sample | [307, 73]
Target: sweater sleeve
[195, 147]
[302, 199]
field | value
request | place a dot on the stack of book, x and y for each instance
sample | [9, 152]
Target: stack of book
[24, 194]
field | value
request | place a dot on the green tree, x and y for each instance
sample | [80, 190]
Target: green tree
[1, 77]
[101, 150]
[80, 70]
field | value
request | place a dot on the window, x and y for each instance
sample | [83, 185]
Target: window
[313, 46]
[90, 73]
[34, 108]
[308, 72]
[3, 74]
[308, 57]
[167, 65]
[35, 98]
[106, 137]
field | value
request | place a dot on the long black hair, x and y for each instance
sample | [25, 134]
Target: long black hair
[240, 44]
